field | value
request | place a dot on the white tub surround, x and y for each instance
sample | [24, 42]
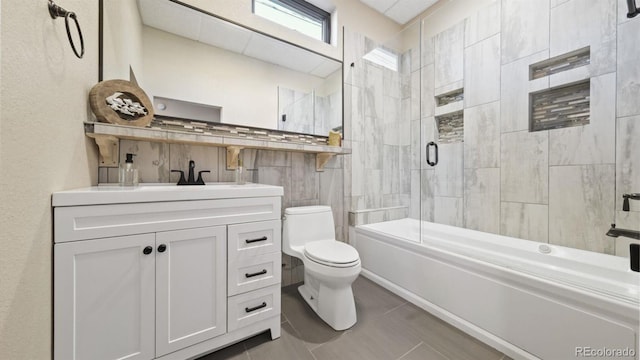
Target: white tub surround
[164, 272]
[526, 299]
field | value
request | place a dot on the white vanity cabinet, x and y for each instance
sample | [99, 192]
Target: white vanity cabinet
[144, 273]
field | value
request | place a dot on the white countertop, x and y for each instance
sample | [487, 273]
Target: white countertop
[114, 194]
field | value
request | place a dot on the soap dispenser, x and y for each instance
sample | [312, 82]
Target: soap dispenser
[128, 174]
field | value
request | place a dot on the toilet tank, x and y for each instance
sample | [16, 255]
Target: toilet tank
[305, 224]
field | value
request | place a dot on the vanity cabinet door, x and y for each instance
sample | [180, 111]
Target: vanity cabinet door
[191, 300]
[104, 298]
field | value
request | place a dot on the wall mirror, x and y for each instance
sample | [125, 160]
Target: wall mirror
[195, 65]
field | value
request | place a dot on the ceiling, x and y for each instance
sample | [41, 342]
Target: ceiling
[400, 11]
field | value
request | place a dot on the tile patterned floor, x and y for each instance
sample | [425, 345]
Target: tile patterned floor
[388, 328]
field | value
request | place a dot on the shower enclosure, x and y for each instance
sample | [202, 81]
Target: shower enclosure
[465, 126]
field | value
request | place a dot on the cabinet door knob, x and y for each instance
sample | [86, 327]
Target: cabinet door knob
[162, 248]
[147, 250]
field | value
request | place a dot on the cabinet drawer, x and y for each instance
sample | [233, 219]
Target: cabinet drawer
[253, 239]
[254, 273]
[98, 221]
[248, 308]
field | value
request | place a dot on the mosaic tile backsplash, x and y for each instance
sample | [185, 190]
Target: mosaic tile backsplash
[454, 96]
[561, 107]
[450, 127]
[564, 62]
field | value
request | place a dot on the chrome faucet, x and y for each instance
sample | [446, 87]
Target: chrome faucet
[614, 232]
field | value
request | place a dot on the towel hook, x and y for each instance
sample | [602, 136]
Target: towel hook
[56, 12]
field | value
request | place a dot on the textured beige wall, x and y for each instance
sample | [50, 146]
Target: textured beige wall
[43, 100]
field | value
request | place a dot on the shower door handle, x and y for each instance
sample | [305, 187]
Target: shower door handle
[435, 146]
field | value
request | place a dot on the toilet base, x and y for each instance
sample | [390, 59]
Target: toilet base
[335, 306]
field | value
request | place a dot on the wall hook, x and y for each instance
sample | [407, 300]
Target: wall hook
[56, 11]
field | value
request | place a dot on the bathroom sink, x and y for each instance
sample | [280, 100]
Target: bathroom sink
[114, 194]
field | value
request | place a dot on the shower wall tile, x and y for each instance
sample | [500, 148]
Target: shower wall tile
[356, 114]
[372, 187]
[593, 143]
[525, 221]
[405, 170]
[524, 28]
[628, 69]
[427, 197]
[581, 206]
[428, 91]
[331, 193]
[205, 157]
[482, 72]
[626, 220]
[482, 25]
[152, 159]
[304, 178]
[482, 199]
[414, 208]
[427, 49]
[272, 158]
[524, 163]
[555, 3]
[392, 83]
[391, 170]
[279, 176]
[514, 92]
[449, 51]
[374, 132]
[354, 50]
[415, 95]
[373, 91]
[628, 160]
[579, 23]
[357, 169]
[449, 211]
[482, 136]
[449, 171]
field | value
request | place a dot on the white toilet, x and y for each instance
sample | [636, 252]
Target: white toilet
[330, 266]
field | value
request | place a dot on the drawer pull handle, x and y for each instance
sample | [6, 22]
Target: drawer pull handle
[264, 304]
[249, 241]
[264, 271]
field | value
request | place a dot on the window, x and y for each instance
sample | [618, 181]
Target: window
[298, 15]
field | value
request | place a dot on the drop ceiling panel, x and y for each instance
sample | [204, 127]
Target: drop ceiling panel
[400, 11]
[326, 68]
[170, 17]
[222, 34]
[282, 54]
[405, 10]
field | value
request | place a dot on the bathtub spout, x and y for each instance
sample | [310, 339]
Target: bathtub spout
[632, 234]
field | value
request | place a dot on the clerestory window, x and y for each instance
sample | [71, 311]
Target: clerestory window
[298, 15]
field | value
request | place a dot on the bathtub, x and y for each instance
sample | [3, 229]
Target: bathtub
[527, 299]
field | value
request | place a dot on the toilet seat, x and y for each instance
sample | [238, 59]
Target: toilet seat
[332, 253]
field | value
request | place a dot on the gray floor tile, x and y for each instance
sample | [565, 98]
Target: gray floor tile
[373, 301]
[423, 352]
[288, 346]
[376, 339]
[310, 327]
[233, 352]
[388, 328]
[447, 340]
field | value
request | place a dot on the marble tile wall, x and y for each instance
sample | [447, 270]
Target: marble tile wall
[560, 186]
[381, 105]
[295, 172]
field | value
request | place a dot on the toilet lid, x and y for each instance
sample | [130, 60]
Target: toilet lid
[331, 252]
